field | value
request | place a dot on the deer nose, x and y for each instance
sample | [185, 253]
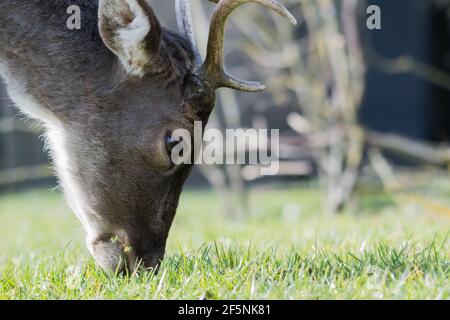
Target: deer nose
[152, 261]
[149, 247]
[117, 254]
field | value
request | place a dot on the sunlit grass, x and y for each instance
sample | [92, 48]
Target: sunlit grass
[384, 247]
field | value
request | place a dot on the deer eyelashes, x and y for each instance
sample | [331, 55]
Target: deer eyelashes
[130, 29]
[170, 143]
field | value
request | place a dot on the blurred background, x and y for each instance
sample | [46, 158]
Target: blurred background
[355, 107]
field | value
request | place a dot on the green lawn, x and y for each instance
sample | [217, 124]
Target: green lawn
[384, 247]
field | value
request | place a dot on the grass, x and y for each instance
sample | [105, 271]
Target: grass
[386, 246]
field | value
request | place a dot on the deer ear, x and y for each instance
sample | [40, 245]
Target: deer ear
[130, 29]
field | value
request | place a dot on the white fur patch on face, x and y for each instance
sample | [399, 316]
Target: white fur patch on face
[28, 105]
[56, 144]
[25, 102]
[72, 191]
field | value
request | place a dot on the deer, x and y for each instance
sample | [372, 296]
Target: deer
[108, 97]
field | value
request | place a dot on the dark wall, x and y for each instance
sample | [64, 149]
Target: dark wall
[440, 101]
[403, 102]
[21, 147]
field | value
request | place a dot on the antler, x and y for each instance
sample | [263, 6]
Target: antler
[213, 70]
[184, 19]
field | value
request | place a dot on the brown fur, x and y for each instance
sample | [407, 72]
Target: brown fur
[106, 127]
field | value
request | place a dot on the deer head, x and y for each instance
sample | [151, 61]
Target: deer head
[110, 135]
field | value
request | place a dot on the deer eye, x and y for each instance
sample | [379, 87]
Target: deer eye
[170, 143]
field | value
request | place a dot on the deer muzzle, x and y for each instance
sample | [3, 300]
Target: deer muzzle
[116, 254]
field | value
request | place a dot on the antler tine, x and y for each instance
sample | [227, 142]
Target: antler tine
[213, 70]
[184, 20]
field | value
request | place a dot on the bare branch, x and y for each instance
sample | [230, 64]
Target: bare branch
[420, 150]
